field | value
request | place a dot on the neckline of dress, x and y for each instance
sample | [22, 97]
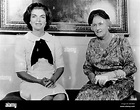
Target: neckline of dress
[34, 38]
[101, 47]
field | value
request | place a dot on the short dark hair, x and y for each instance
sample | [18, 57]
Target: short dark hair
[27, 14]
[97, 12]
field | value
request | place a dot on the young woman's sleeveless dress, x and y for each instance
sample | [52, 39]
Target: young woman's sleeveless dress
[41, 69]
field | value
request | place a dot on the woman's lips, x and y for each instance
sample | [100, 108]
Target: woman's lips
[38, 24]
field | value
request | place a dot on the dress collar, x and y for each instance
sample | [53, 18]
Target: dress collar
[47, 37]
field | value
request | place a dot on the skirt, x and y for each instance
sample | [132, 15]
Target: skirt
[120, 90]
[35, 91]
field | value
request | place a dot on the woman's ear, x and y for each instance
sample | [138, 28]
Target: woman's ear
[109, 24]
[91, 27]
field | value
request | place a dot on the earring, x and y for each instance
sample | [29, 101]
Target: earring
[108, 27]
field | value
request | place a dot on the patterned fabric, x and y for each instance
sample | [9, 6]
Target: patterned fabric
[117, 55]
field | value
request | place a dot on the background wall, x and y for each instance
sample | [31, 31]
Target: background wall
[134, 30]
[74, 49]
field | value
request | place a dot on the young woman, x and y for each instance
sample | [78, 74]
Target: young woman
[109, 63]
[38, 58]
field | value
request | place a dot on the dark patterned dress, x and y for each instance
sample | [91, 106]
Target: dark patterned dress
[118, 55]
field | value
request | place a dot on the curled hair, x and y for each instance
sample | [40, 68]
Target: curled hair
[27, 14]
[97, 12]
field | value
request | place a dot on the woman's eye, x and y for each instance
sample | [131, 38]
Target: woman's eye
[42, 16]
[93, 25]
[100, 23]
[33, 16]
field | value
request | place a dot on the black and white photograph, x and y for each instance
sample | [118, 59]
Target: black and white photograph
[70, 52]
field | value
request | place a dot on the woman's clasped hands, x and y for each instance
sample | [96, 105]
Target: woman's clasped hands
[49, 83]
[103, 78]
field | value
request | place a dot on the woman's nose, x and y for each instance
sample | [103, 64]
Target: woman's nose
[38, 19]
[97, 27]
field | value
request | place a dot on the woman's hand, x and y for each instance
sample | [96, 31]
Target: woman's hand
[120, 74]
[103, 78]
[91, 77]
[44, 81]
[49, 83]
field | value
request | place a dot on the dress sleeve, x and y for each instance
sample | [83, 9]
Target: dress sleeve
[129, 66]
[88, 65]
[59, 62]
[20, 62]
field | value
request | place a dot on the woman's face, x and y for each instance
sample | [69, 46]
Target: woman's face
[38, 19]
[100, 26]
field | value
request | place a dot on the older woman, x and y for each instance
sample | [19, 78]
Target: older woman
[38, 58]
[109, 63]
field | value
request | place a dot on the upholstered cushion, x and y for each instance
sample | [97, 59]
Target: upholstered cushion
[13, 96]
[72, 95]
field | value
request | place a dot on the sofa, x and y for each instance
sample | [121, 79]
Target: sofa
[71, 93]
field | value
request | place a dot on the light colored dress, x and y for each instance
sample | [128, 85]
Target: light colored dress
[41, 69]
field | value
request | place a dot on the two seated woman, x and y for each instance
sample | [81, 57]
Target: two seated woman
[109, 63]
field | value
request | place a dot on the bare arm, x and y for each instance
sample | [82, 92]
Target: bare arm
[57, 74]
[55, 77]
[27, 77]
